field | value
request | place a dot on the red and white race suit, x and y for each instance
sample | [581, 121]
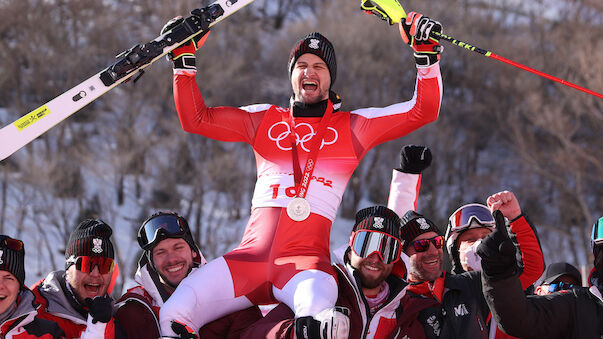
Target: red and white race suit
[279, 258]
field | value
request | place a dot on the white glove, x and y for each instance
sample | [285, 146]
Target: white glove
[472, 259]
[334, 323]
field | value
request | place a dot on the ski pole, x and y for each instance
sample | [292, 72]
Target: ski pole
[392, 12]
[511, 62]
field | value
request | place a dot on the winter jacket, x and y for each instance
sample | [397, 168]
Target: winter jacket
[576, 313]
[279, 323]
[58, 304]
[24, 323]
[138, 311]
[462, 311]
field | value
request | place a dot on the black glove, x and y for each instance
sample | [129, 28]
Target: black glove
[498, 252]
[100, 308]
[184, 55]
[183, 331]
[414, 159]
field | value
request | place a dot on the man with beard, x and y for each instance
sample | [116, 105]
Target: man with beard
[169, 255]
[445, 305]
[370, 276]
[77, 299]
[306, 153]
[575, 313]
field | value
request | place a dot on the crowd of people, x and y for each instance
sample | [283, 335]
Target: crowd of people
[388, 281]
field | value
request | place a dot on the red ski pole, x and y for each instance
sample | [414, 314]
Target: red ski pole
[512, 63]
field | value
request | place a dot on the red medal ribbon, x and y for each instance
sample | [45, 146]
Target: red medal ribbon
[303, 181]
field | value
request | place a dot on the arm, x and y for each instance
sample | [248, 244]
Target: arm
[530, 252]
[524, 236]
[373, 126]
[406, 180]
[528, 317]
[277, 324]
[220, 123]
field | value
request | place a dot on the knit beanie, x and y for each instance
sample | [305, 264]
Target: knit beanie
[414, 224]
[315, 43]
[12, 257]
[90, 238]
[378, 218]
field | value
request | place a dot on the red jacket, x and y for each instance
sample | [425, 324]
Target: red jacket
[24, 323]
[59, 305]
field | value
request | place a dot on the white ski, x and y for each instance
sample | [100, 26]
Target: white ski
[130, 62]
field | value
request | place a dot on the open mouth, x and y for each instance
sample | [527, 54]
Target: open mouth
[309, 85]
[92, 289]
[2, 297]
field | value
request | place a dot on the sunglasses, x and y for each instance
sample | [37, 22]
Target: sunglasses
[365, 243]
[86, 264]
[166, 225]
[10, 243]
[560, 286]
[466, 215]
[422, 245]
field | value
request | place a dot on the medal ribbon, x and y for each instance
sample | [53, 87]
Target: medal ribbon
[303, 181]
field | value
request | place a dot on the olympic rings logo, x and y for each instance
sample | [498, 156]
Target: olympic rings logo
[299, 139]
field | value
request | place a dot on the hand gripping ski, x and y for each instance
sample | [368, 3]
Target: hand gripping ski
[130, 62]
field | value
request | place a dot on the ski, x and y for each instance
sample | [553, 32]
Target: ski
[129, 63]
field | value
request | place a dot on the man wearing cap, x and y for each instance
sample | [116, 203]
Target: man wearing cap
[305, 155]
[77, 298]
[18, 317]
[574, 313]
[169, 255]
[370, 275]
[559, 276]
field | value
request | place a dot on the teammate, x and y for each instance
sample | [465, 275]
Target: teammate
[18, 317]
[305, 155]
[560, 276]
[78, 298]
[169, 255]
[575, 313]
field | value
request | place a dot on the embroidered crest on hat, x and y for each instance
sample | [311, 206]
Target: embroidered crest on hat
[97, 243]
[423, 224]
[314, 44]
[378, 222]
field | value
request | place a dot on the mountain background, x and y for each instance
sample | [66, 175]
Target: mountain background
[125, 156]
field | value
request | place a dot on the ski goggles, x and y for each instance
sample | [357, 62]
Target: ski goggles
[597, 235]
[422, 245]
[10, 243]
[465, 215]
[560, 286]
[166, 225]
[86, 264]
[366, 242]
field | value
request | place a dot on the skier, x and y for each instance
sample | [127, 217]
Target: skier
[18, 316]
[370, 285]
[78, 298]
[169, 255]
[305, 155]
[575, 313]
